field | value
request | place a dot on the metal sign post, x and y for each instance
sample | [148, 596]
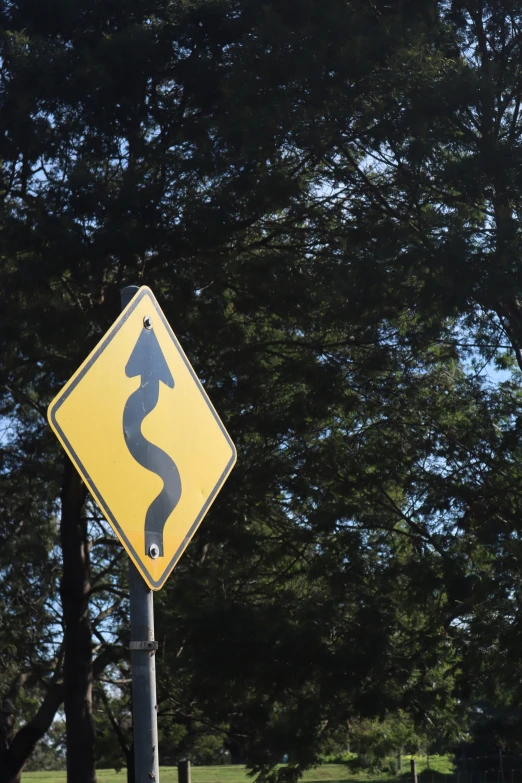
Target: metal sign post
[143, 664]
[143, 660]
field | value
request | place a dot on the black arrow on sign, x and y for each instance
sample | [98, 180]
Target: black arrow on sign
[147, 360]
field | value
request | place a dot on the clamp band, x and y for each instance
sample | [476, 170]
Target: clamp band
[143, 646]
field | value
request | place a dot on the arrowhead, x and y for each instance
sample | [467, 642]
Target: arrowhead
[148, 361]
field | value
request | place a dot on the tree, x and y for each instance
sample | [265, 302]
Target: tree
[288, 188]
[440, 176]
[89, 157]
[344, 603]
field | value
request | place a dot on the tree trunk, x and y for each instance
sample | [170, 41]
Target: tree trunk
[77, 670]
[129, 756]
[15, 750]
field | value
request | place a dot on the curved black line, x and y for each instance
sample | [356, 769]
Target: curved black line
[157, 461]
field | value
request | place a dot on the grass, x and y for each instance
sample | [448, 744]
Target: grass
[328, 773]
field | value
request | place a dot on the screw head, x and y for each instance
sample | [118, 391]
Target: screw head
[154, 551]
[147, 322]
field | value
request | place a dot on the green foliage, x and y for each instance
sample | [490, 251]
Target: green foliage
[113, 730]
[376, 741]
[50, 752]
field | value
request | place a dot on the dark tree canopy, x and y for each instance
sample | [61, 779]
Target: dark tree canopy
[325, 199]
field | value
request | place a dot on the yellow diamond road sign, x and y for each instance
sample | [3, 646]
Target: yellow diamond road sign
[144, 436]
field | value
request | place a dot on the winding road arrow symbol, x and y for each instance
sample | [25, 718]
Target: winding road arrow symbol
[147, 361]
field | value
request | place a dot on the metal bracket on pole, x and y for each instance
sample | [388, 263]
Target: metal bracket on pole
[143, 645]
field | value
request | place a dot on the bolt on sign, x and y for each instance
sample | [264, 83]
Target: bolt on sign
[144, 436]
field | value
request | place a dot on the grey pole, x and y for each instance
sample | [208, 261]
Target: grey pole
[143, 661]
